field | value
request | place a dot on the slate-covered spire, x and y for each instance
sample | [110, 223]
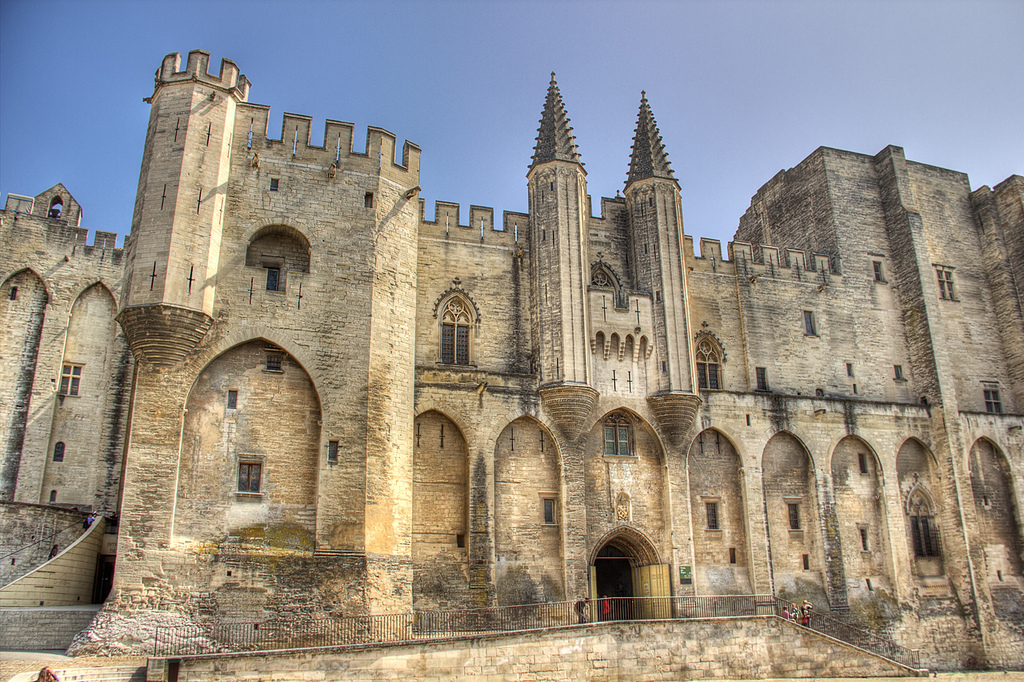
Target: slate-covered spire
[649, 159]
[555, 141]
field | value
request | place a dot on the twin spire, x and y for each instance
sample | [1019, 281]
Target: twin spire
[555, 141]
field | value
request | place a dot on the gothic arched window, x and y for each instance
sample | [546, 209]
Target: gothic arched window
[616, 436]
[709, 364]
[925, 534]
[455, 325]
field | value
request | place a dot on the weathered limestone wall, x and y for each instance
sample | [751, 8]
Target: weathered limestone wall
[716, 649]
[30, 532]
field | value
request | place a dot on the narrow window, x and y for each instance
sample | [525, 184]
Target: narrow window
[13, 296]
[999, 576]
[878, 271]
[762, 378]
[862, 461]
[809, 329]
[945, 276]
[70, 377]
[794, 516]
[273, 362]
[273, 279]
[863, 539]
[53, 498]
[849, 369]
[897, 371]
[455, 323]
[807, 562]
[58, 452]
[368, 200]
[249, 477]
[748, 420]
[274, 183]
[232, 400]
[732, 555]
[709, 358]
[549, 511]
[460, 540]
[868, 582]
[657, 296]
[993, 404]
[332, 452]
[712, 514]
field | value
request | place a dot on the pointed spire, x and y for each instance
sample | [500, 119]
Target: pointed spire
[649, 159]
[555, 141]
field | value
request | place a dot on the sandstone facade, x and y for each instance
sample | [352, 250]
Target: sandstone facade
[333, 405]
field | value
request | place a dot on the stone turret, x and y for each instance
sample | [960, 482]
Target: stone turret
[656, 220]
[174, 246]
[558, 200]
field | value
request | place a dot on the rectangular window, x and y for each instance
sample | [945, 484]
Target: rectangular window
[732, 555]
[945, 276]
[368, 200]
[992, 402]
[897, 371]
[332, 452]
[849, 369]
[232, 400]
[702, 375]
[448, 344]
[70, 376]
[713, 377]
[249, 477]
[58, 452]
[712, 514]
[273, 279]
[762, 378]
[794, 515]
[809, 329]
[863, 539]
[609, 440]
[924, 536]
[878, 271]
[549, 511]
[460, 540]
[862, 460]
[461, 345]
[807, 562]
[274, 182]
[623, 440]
[273, 362]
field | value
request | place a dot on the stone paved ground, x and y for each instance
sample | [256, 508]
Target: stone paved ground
[14, 662]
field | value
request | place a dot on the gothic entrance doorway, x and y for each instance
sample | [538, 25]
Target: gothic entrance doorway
[626, 571]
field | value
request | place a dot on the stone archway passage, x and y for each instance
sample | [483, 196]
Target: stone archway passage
[626, 570]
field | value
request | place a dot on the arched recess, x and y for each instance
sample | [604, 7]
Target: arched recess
[440, 514]
[248, 474]
[860, 513]
[996, 510]
[91, 409]
[625, 563]
[23, 299]
[794, 526]
[718, 508]
[527, 515]
[921, 500]
[278, 249]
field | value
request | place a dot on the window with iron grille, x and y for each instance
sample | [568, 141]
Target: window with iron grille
[273, 362]
[794, 515]
[58, 452]
[709, 360]
[455, 325]
[924, 533]
[711, 509]
[762, 378]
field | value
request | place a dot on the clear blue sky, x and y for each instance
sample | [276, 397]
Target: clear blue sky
[740, 90]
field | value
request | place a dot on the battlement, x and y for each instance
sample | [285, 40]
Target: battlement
[196, 69]
[754, 262]
[253, 122]
[480, 229]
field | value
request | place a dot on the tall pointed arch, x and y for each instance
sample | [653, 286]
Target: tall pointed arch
[457, 317]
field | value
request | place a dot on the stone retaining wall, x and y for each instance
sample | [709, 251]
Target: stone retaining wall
[40, 629]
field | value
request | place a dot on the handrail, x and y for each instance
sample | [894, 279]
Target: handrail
[236, 637]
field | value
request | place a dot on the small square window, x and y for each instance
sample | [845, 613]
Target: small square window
[762, 378]
[993, 404]
[274, 183]
[549, 511]
[249, 475]
[809, 328]
[70, 376]
[273, 362]
[897, 371]
[711, 509]
[232, 400]
[794, 515]
[879, 277]
[332, 452]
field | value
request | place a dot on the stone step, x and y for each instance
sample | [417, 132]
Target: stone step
[112, 674]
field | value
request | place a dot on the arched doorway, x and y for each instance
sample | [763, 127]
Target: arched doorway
[626, 566]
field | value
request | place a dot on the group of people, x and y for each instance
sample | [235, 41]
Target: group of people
[604, 609]
[799, 614]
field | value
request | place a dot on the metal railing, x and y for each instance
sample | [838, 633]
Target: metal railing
[190, 640]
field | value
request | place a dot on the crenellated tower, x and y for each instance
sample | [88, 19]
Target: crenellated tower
[558, 201]
[656, 223]
[174, 247]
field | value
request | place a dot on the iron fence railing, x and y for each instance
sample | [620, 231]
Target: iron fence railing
[192, 640]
